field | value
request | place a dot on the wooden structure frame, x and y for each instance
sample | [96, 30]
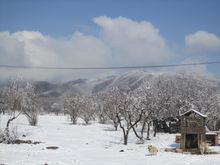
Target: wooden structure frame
[192, 130]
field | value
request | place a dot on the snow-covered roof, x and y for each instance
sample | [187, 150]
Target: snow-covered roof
[195, 111]
[211, 133]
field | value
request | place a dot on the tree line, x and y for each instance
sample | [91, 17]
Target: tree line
[129, 108]
[137, 108]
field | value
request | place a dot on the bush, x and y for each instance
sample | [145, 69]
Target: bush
[8, 136]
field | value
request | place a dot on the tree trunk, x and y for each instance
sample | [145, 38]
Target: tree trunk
[73, 119]
[148, 131]
[143, 128]
[116, 125]
[9, 121]
[125, 140]
[125, 137]
[86, 121]
[136, 134]
[155, 128]
[7, 134]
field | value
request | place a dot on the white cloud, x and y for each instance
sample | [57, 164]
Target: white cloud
[35, 49]
[202, 41]
[132, 42]
[122, 41]
[195, 70]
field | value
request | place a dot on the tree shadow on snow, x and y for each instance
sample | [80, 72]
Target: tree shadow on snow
[109, 129]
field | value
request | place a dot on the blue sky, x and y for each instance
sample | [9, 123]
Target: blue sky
[175, 20]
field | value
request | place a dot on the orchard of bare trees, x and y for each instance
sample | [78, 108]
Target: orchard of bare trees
[143, 109]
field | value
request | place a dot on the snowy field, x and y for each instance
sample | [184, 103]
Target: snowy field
[95, 144]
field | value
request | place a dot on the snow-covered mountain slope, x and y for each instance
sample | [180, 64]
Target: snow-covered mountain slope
[53, 92]
[133, 79]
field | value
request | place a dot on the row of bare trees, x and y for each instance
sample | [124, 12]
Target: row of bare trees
[129, 108]
[137, 109]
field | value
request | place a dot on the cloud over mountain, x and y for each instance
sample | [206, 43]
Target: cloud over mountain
[133, 42]
[120, 42]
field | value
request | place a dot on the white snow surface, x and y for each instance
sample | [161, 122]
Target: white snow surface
[95, 144]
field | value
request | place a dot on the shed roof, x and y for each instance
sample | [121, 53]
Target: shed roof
[193, 111]
[211, 133]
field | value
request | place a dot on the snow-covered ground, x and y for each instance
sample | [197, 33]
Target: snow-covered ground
[95, 144]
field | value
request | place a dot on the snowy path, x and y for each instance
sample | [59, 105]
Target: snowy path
[95, 144]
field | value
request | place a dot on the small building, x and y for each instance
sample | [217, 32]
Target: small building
[212, 138]
[193, 130]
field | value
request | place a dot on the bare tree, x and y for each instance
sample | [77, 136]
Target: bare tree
[72, 105]
[100, 111]
[3, 106]
[147, 102]
[110, 106]
[87, 108]
[101, 114]
[13, 101]
[30, 105]
[19, 99]
[58, 107]
[128, 115]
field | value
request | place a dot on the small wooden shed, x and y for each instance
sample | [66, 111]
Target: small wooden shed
[212, 138]
[192, 129]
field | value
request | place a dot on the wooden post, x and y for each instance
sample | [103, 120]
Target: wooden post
[217, 138]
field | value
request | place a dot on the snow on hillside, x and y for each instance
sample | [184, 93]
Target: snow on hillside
[95, 144]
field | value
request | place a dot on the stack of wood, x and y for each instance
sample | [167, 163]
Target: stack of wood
[178, 138]
[177, 150]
